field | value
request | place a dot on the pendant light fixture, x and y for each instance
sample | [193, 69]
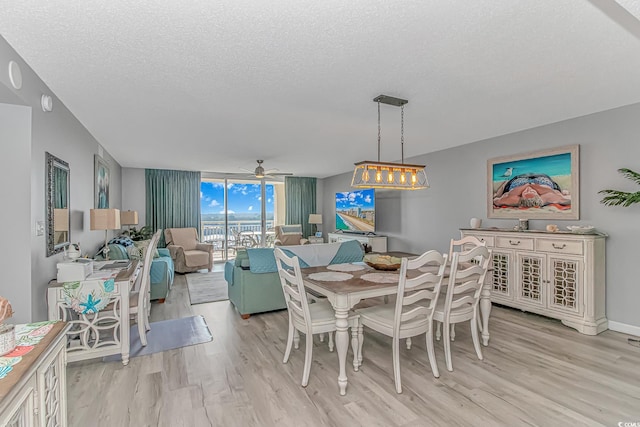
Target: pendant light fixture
[394, 176]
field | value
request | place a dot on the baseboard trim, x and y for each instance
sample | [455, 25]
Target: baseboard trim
[624, 328]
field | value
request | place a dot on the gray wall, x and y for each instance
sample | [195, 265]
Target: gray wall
[416, 221]
[61, 134]
[15, 262]
[133, 193]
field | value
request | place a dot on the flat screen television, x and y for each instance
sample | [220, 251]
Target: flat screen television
[356, 211]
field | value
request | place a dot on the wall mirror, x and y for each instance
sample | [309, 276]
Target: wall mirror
[57, 172]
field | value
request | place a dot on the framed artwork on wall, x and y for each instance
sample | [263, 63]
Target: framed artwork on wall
[537, 185]
[101, 183]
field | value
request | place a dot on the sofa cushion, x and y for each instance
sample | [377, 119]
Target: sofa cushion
[185, 237]
[349, 251]
[261, 260]
[195, 258]
[136, 251]
[313, 255]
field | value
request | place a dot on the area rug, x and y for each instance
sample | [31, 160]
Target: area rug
[207, 287]
[167, 335]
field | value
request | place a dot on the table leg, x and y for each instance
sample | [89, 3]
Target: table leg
[342, 344]
[124, 327]
[485, 311]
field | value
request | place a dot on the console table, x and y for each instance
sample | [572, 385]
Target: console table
[101, 334]
[559, 275]
[34, 393]
[377, 243]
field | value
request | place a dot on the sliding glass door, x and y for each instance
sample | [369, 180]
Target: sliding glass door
[238, 214]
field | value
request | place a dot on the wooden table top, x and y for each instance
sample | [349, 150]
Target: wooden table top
[29, 360]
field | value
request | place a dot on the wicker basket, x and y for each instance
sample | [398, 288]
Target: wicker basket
[7, 339]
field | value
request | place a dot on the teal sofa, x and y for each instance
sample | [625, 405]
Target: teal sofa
[161, 273]
[252, 277]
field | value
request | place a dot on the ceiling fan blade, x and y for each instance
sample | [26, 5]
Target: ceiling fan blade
[281, 174]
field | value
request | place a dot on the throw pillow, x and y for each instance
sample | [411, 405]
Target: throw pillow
[137, 249]
[122, 240]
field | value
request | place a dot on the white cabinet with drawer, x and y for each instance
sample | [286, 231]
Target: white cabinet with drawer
[378, 243]
[560, 275]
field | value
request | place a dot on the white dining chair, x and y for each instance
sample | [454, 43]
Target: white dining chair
[464, 244]
[309, 319]
[412, 312]
[140, 299]
[460, 304]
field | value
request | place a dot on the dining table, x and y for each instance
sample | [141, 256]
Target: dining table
[345, 285]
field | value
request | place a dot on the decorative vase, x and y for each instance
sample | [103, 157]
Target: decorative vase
[476, 222]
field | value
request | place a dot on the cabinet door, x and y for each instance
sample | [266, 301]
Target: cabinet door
[52, 389]
[565, 280]
[20, 413]
[530, 279]
[500, 275]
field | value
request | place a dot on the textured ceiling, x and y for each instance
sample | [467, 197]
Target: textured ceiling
[213, 86]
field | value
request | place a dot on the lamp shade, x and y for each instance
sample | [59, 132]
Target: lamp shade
[129, 218]
[105, 219]
[61, 219]
[315, 219]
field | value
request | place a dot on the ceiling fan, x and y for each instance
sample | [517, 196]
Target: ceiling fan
[259, 171]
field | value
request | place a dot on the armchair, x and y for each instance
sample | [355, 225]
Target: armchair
[187, 252]
[287, 235]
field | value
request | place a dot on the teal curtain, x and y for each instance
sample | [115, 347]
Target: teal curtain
[60, 185]
[300, 199]
[172, 199]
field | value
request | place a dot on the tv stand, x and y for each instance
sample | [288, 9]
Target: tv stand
[377, 243]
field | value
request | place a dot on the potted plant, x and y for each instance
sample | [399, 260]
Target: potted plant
[626, 199]
[144, 233]
[622, 198]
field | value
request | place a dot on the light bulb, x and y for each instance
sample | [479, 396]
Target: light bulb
[390, 176]
[402, 177]
[414, 178]
[378, 175]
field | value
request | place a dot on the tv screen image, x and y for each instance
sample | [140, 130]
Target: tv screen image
[356, 211]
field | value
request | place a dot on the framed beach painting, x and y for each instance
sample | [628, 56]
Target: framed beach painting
[538, 185]
[101, 183]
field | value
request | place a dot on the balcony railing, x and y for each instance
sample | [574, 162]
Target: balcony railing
[240, 234]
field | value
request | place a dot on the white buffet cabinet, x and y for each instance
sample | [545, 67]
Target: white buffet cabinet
[559, 275]
[377, 243]
[34, 393]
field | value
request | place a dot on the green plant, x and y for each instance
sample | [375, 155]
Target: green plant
[622, 198]
[144, 233]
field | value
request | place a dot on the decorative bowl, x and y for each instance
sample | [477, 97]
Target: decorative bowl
[581, 229]
[383, 262]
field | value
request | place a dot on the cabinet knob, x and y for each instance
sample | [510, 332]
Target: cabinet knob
[562, 246]
[516, 243]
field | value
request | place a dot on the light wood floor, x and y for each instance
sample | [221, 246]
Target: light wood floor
[535, 372]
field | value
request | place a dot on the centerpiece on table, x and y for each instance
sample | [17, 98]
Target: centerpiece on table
[383, 262]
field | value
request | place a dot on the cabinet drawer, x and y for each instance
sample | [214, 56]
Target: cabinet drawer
[560, 246]
[515, 242]
[489, 240]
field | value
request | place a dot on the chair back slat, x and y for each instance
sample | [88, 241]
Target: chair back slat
[417, 297]
[464, 244]
[466, 280]
[144, 296]
[293, 288]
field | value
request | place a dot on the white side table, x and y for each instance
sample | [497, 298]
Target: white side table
[314, 239]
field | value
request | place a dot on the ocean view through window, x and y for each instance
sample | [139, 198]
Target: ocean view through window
[238, 216]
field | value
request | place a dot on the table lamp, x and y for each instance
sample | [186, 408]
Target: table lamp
[129, 218]
[315, 219]
[105, 219]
